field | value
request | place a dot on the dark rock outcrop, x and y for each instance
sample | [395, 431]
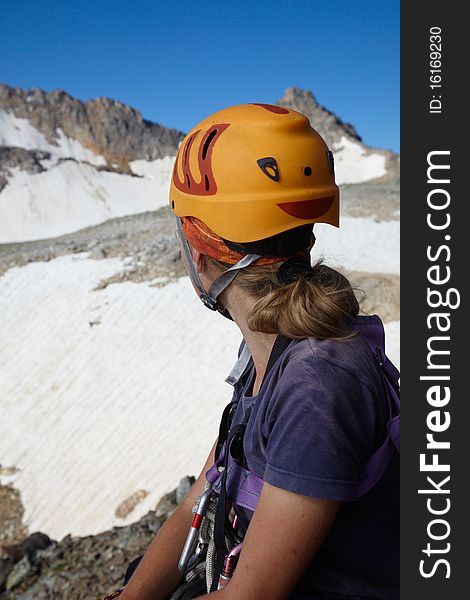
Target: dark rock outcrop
[81, 568]
[26, 160]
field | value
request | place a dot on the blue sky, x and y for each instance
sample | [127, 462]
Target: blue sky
[179, 61]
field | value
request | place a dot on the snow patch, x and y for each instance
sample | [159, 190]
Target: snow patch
[392, 342]
[158, 170]
[71, 148]
[21, 133]
[71, 196]
[354, 165]
[360, 244]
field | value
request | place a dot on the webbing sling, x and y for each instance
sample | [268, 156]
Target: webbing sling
[220, 513]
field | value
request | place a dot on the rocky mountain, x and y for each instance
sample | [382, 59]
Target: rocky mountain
[331, 127]
[67, 164]
[108, 128]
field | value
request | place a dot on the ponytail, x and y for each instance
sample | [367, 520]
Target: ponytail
[319, 303]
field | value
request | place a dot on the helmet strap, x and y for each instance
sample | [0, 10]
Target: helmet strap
[209, 298]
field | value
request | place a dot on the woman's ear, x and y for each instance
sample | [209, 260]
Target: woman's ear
[199, 261]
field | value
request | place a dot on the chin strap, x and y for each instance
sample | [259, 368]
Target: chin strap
[209, 298]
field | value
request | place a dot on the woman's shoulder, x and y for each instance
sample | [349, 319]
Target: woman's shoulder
[323, 401]
[342, 358]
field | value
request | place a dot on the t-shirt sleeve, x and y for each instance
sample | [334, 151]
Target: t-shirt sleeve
[319, 430]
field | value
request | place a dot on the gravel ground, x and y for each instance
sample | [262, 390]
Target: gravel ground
[147, 238]
[380, 200]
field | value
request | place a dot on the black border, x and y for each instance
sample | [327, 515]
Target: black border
[421, 133]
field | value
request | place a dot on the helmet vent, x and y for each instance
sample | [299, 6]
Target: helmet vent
[269, 167]
[307, 171]
[207, 143]
[200, 161]
[331, 162]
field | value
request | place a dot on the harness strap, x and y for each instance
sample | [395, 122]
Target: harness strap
[242, 486]
[374, 335]
[210, 297]
[240, 366]
[376, 466]
[224, 427]
[280, 345]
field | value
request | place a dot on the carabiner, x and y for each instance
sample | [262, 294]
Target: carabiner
[192, 538]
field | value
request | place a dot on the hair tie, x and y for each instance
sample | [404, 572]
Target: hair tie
[296, 268]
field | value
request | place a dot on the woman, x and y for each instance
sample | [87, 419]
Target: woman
[309, 403]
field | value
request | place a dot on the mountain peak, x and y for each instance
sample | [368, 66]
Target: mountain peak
[296, 94]
[328, 124]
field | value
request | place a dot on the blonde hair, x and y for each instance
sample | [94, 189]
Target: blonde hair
[320, 305]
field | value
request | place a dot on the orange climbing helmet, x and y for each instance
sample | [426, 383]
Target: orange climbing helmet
[253, 171]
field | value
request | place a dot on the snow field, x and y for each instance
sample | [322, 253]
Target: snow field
[90, 414]
[360, 244]
[70, 196]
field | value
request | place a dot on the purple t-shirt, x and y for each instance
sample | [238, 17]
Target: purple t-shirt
[318, 416]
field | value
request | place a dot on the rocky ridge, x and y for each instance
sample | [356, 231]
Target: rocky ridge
[148, 242]
[118, 132]
[331, 127]
[108, 128]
